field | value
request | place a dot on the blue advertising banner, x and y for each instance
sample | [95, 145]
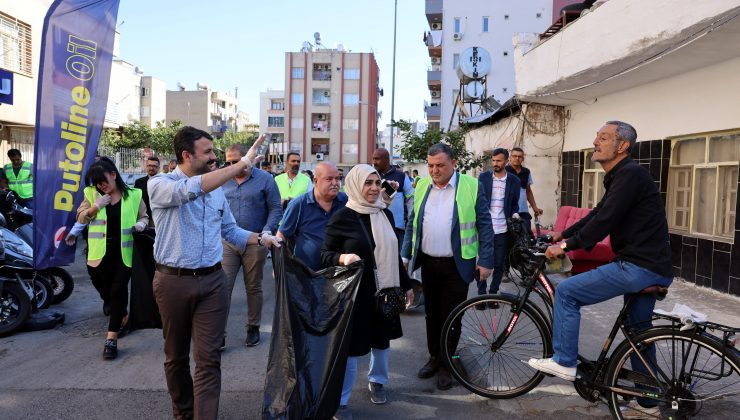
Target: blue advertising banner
[74, 74]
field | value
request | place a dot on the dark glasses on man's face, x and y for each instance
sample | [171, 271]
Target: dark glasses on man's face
[232, 162]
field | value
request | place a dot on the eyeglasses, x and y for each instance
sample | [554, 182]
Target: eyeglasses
[231, 162]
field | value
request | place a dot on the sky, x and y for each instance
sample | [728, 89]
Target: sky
[231, 43]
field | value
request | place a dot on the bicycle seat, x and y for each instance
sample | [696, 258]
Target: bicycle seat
[657, 291]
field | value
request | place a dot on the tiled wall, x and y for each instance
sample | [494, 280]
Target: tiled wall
[707, 263]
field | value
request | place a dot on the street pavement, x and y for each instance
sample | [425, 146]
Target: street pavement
[60, 373]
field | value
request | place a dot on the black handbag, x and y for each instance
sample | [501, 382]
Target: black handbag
[391, 301]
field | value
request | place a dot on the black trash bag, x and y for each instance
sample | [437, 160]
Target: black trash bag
[310, 338]
[143, 309]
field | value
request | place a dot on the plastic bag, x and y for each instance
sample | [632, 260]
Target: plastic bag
[310, 338]
[143, 309]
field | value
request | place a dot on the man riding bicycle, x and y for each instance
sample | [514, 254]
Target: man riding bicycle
[633, 213]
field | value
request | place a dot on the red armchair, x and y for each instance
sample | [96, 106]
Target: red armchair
[582, 260]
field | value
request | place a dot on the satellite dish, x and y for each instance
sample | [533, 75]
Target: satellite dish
[473, 90]
[181, 86]
[317, 37]
[139, 70]
[474, 64]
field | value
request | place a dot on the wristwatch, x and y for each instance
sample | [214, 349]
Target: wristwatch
[259, 238]
[564, 246]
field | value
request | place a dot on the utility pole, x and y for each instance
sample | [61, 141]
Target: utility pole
[393, 85]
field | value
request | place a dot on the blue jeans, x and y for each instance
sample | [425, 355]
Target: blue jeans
[500, 253]
[378, 372]
[603, 283]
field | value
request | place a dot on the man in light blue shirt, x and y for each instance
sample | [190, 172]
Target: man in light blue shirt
[192, 215]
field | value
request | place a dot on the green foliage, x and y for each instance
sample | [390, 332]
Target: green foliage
[137, 135]
[247, 138]
[416, 145]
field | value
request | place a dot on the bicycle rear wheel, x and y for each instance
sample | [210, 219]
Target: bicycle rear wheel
[467, 346]
[695, 373]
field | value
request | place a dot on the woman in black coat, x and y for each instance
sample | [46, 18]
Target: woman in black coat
[377, 245]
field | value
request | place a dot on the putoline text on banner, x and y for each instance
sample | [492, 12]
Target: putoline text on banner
[74, 74]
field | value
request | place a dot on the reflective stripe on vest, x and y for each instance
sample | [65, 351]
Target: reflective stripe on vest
[292, 190]
[98, 227]
[466, 195]
[21, 184]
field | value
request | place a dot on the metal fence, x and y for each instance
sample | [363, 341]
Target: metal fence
[131, 163]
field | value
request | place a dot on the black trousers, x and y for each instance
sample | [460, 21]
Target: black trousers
[111, 278]
[444, 289]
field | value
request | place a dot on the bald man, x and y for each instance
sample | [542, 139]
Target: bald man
[306, 216]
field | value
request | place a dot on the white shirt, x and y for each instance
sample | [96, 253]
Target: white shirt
[498, 192]
[437, 225]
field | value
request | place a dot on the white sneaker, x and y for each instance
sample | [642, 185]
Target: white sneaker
[633, 410]
[549, 366]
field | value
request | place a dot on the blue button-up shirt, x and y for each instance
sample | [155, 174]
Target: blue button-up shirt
[255, 203]
[190, 223]
[305, 223]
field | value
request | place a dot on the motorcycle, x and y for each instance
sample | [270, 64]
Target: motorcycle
[19, 221]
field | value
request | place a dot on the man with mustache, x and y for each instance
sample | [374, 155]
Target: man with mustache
[305, 219]
[292, 183]
[152, 169]
[192, 215]
[502, 190]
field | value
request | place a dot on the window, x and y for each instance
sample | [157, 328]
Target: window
[297, 73]
[296, 98]
[296, 123]
[349, 124]
[455, 60]
[321, 72]
[702, 185]
[275, 121]
[15, 45]
[593, 181]
[321, 97]
[277, 105]
[351, 99]
[457, 25]
[144, 91]
[485, 23]
[506, 53]
[506, 17]
[352, 74]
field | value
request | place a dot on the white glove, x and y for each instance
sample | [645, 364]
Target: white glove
[270, 241]
[102, 201]
[140, 226]
[252, 153]
[350, 258]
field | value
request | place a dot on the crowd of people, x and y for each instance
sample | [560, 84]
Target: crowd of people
[210, 223]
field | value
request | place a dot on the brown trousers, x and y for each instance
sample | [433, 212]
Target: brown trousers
[193, 307]
[252, 260]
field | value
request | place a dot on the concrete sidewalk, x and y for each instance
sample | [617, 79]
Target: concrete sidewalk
[60, 374]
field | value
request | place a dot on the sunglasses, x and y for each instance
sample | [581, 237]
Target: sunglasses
[231, 162]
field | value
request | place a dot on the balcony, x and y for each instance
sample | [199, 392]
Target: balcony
[433, 41]
[320, 145]
[320, 123]
[433, 112]
[433, 10]
[635, 45]
[434, 79]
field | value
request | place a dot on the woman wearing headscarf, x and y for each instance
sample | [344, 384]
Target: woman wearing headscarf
[113, 210]
[364, 230]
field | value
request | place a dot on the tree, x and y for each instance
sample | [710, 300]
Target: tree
[137, 135]
[416, 145]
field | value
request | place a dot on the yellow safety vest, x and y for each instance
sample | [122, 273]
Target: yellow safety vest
[292, 190]
[23, 183]
[97, 229]
[466, 195]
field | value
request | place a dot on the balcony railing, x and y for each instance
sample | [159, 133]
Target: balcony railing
[433, 112]
[322, 75]
[434, 78]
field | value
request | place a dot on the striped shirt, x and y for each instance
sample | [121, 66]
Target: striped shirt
[498, 191]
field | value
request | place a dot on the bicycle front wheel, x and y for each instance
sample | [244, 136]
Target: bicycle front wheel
[677, 374]
[494, 371]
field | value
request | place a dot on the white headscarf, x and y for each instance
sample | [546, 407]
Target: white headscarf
[386, 242]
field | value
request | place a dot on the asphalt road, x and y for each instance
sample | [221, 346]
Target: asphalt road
[60, 374]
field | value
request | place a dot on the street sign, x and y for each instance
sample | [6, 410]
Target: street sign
[6, 87]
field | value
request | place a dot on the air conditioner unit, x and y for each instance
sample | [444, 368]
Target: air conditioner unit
[457, 36]
[321, 117]
[319, 156]
[436, 60]
[435, 94]
[327, 93]
[436, 26]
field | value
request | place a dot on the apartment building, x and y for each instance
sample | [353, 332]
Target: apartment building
[272, 123]
[331, 105]
[20, 46]
[211, 111]
[153, 100]
[457, 25]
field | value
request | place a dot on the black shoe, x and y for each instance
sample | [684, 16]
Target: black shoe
[110, 350]
[429, 369]
[444, 379]
[253, 336]
[106, 308]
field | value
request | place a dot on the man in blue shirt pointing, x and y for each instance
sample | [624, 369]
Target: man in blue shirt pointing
[192, 215]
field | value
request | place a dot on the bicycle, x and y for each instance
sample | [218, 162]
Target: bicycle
[487, 340]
